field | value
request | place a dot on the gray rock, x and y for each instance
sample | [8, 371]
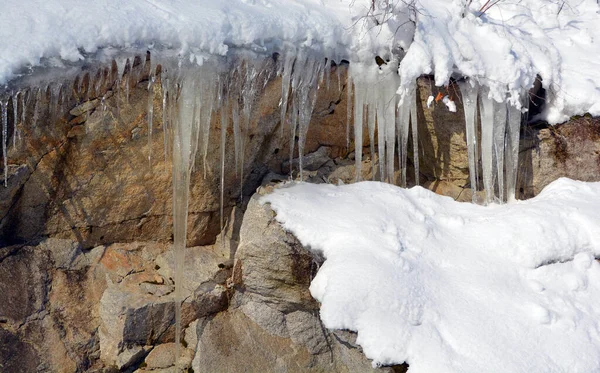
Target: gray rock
[310, 162]
[273, 266]
[161, 356]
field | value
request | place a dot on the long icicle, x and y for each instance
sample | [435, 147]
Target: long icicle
[512, 150]
[414, 131]
[181, 182]
[371, 105]
[486, 109]
[469, 91]
[308, 94]
[15, 118]
[150, 116]
[349, 102]
[4, 140]
[402, 124]
[500, 115]
[224, 124]
[391, 83]
[359, 97]
[285, 86]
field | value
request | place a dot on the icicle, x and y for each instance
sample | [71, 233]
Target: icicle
[37, 97]
[512, 150]
[165, 90]
[486, 109]
[500, 113]
[207, 119]
[402, 127]
[327, 72]
[339, 77]
[381, 128]
[415, 131]
[359, 99]
[224, 124]
[4, 140]
[150, 117]
[181, 179]
[371, 105]
[469, 97]
[235, 116]
[390, 85]
[349, 102]
[285, 86]
[129, 69]
[15, 118]
[308, 98]
[23, 112]
[55, 113]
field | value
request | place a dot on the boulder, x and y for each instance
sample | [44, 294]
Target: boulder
[273, 323]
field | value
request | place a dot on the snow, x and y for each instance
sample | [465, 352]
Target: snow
[503, 49]
[455, 287]
[509, 44]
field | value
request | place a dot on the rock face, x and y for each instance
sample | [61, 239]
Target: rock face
[86, 270]
[93, 174]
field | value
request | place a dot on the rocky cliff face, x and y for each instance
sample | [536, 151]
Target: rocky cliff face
[86, 271]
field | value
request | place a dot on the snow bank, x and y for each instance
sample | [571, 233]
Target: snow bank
[456, 287]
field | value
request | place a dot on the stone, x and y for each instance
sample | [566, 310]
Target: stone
[310, 162]
[161, 356]
[137, 308]
[274, 266]
[16, 356]
[571, 149]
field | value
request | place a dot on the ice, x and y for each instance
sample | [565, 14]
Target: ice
[359, 102]
[389, 102]
[307, 99]
[513, 129]
[349, 102]
[486, 108]
[285, 86]
[15, 118]
[414, 130]
[235, 117]
[4, 115]
[182, 143]
[402, 128]
[500, 114]
[165, 122]
[150, 111]
[469, 90]
[371, 107]
[224, 125]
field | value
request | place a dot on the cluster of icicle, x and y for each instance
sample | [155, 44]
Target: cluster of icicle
[500, 129]
[196, 96]
[377, 106]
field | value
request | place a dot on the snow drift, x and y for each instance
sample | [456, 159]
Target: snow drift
[456, 287]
